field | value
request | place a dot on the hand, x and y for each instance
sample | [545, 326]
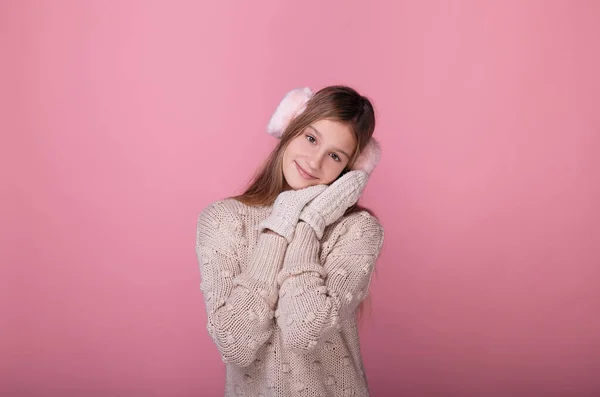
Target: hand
[286, 210]
[331, 205]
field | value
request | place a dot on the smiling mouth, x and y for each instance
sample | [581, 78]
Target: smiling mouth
[303, 173]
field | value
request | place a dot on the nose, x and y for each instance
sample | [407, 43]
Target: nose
[315, 160]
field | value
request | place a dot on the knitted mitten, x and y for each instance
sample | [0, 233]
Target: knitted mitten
[286, 210]
[330, 205]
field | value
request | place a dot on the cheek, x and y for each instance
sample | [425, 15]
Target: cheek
[295, 145]
[294, 149]
[332, 171]
[290, 153]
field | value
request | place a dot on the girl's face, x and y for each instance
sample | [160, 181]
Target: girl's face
[319, 154]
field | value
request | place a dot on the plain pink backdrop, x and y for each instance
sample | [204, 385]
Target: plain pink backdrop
[121, 120]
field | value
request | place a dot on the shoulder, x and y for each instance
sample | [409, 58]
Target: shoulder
[360, 232]
[362, 221]
[221, 218]
[226, 209]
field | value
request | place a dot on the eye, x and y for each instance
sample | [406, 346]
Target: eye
[336, 157]
[311, 139]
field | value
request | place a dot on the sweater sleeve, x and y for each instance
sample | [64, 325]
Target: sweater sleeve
[239, 305]
[315, 298]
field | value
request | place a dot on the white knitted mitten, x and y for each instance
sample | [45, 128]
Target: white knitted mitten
[330, 205]
[286, 210]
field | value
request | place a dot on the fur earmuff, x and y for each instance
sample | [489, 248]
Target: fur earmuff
[369, 157]
[293, 104]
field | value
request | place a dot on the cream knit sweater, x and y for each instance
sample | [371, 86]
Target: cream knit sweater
[284, 316]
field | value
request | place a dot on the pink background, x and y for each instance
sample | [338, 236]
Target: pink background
[121, 120]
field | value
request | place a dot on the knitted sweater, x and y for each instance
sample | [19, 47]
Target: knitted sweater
[284, 316]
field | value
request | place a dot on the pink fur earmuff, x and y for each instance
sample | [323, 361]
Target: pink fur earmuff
[293, 104]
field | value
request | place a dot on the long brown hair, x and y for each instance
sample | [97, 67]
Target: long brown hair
[338, 103]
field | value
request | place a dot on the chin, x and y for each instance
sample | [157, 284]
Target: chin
[297, 185]
[296, 182]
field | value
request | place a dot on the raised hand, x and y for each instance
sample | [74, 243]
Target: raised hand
[333, 202]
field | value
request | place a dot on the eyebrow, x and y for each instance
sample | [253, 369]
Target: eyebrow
[321, 136]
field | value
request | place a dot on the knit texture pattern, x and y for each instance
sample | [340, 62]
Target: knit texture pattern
[283, 315]
[329, 206]
[286, 210]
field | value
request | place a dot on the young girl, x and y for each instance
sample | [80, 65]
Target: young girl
[286, 265]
